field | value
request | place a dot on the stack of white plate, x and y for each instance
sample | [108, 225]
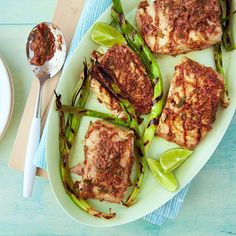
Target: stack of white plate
[6, 97]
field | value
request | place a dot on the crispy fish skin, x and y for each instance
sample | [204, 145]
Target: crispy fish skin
[108, 162]
[192, 103]
[129, 73]
[179, 26]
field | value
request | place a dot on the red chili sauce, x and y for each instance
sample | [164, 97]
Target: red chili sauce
[42, 44]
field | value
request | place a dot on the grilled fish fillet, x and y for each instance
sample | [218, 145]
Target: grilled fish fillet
[108, 161]
[179, 26]
[129, 73]
[192, 103]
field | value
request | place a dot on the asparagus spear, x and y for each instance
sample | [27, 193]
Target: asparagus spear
[227, 42]
[218, 58]
[227, 38]
[79, 112]
[65, 147]
[136, 42]
[220, 69]
[65, 173]
[132, 119]
[79, 98]
[117, 94]
[128, 109]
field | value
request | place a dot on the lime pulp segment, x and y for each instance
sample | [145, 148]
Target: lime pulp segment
[173, 158]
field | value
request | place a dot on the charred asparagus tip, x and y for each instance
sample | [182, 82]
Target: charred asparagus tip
[58, 99]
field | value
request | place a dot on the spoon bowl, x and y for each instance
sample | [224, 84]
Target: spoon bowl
[52, 66]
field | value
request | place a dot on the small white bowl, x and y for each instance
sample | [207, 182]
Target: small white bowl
[6, 97]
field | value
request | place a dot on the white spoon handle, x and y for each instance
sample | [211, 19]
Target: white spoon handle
[30, 168]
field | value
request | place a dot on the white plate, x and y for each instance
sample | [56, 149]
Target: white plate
[6, 98]
[152, 194]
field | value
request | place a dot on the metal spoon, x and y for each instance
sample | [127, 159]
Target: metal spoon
[43, 72]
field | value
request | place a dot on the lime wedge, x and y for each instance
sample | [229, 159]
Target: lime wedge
[173, 158]
[106, 35]
[167, 180]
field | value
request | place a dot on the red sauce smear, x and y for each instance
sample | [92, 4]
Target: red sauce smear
[42, 44]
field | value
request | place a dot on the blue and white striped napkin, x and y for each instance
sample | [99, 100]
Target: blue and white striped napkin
[92, 10]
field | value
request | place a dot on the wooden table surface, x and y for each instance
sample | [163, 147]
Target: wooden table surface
[210, 206]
